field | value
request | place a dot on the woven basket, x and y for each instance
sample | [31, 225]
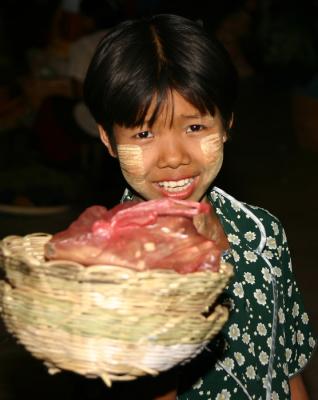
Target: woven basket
[103, 320]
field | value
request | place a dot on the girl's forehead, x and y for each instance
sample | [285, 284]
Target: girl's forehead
[172, 106]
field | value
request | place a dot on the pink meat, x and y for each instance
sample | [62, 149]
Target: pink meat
[144, 235]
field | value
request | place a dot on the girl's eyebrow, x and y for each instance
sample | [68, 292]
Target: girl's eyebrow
[181, 116]
[192, 116]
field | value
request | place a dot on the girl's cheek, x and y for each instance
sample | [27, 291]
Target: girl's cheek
[131, 160]
[211, 147]
[212, 151]
[133, 166]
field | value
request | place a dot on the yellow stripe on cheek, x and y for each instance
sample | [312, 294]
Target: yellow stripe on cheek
[132, 165]
[131, 160]
[211, 146]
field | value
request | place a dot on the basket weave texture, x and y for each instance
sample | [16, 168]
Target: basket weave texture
[106, 321]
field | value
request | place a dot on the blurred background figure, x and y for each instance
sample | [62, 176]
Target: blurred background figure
[55, 157]
[64, 130]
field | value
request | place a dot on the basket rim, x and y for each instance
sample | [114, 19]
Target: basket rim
[33, 262]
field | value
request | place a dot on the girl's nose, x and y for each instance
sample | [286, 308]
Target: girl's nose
[173, 153]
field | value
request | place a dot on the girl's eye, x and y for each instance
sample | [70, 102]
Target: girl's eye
[194, 128]
[144, 135]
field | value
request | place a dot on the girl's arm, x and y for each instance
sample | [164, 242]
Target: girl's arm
[297, 388]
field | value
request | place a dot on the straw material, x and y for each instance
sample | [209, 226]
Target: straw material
[104, 320]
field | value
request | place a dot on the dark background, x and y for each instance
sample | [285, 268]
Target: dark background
[50, 169]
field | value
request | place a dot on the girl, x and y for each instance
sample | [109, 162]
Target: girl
[162, 92]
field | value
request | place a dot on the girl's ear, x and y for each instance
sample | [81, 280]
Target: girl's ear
[231, 121]
[226, 133]
[105, 139]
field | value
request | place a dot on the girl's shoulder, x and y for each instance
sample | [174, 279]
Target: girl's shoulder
[246, 216]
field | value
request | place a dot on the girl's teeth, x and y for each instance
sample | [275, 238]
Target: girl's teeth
[176, 186]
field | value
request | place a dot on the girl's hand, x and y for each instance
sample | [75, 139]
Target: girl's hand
[209, 226]
[297, 388]
[171, 395]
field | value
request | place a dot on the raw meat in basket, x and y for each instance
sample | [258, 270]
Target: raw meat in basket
[139, 235]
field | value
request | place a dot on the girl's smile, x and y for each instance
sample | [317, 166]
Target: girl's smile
[180, 189]
[179, 156]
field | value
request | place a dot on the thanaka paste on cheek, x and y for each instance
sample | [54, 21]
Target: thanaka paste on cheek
[211, 146]
[212, 149]
[132, 165]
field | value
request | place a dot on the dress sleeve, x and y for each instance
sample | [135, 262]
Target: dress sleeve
[300, 341]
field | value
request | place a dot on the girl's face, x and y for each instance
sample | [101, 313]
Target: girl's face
[178, 157]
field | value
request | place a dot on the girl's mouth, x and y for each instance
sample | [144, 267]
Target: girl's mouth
[180, 189]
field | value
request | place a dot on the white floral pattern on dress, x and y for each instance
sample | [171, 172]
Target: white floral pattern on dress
[238, 289]
[249, 236]
[224, 395]
[261, 329]
[260, 297]
[250, 372]
[234, 332]
[240, 359]
[263, 357]
[249, 278]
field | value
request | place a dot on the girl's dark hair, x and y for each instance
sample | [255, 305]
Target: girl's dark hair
[138, 61]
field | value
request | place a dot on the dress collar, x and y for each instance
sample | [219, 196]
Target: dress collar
[238, 220]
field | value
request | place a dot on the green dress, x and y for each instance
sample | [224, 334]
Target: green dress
[267, 338]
